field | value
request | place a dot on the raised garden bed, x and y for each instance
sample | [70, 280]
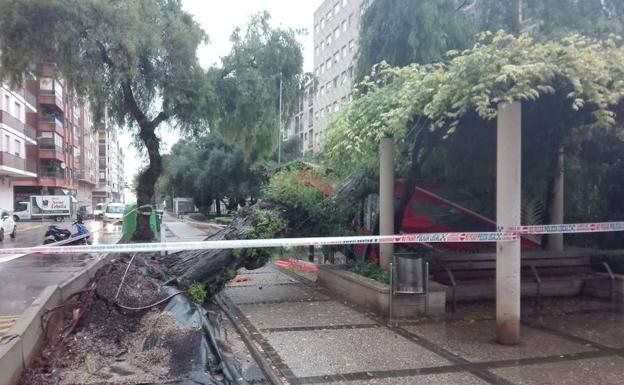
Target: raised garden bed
[375, 296]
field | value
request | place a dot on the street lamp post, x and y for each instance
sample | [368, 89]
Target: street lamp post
[279, 134]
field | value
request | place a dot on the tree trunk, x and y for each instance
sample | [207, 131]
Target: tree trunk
[147, 181]
[412, 177]
[218, 206]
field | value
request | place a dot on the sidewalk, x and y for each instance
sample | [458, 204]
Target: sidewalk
[178, 231]
[308, 337]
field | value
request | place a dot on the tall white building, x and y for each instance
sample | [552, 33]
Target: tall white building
[15, 135]
[336, 33]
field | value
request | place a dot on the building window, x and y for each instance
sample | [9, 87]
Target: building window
[328, 86]
[18, 111]
[328, 16]
[322, 22]
[344, 26]
[316, 50]
[7, 143]
[343, 77]
[336, 107]
[336, 8]
[322, 90]
[18, 147]
[336, 33]
[316, 29]
[344, 3]
[322, 68]
[328, 40]
[336, 56]
[351, 19]
[328, 64]
[336, 82]
[344, 51]
[351, 45]
[7, 103]
[316, 115]
[351, 72]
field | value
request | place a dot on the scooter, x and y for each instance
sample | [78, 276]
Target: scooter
[56, 234]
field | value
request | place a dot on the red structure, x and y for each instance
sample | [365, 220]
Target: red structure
[428, 212]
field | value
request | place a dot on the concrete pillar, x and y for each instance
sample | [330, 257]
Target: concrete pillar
[386, 199]
[555, 241]
[508, 182]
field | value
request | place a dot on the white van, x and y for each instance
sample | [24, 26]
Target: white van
[98, 213]
[114, 212]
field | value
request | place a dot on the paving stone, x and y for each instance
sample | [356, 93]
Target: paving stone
[606, 329]
[262, 279]
[475, 341]
[595, 371]
[325, 313]
[432, 379]
[322, 352]
[252, 294]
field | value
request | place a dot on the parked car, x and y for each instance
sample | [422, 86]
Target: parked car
[7, 224]
[98, 213]
[86, 211]
[114, 212]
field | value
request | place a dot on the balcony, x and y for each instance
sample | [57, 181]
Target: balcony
[11, 121]
[14, 166]
[52, 174]
[31, 101]
[51, 151]
[84, 177]
[13, 161]
[51, 123]
[30, 132]
[51, 98]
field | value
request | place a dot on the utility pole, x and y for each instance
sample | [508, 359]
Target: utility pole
[279, 135]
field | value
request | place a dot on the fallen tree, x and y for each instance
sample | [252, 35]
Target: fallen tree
[265, 219]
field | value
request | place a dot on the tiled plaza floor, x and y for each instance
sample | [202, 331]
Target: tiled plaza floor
[310, 337]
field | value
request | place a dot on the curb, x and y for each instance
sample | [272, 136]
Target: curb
[270, 373]
[27, 332]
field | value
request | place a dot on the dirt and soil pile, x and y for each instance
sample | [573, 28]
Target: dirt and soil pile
[98, 342]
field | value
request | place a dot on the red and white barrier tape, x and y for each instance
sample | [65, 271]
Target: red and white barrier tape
[498, 236]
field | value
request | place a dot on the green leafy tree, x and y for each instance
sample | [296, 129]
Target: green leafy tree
[567, 88]
[209, 170]
[402, 32]
[135, 59]
[547, 19]
[248, 85]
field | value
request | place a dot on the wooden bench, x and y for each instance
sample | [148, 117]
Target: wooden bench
[462, 269]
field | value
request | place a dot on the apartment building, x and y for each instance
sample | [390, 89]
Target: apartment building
[301, 123]
[110, 182]
[336, 32]
[60, 158]
[15, 135]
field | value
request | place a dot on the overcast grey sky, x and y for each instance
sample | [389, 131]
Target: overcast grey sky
[219, 18]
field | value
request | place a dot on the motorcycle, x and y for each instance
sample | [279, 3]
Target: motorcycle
[56, 234]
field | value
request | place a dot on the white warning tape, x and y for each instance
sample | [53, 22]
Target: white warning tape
[496, 236]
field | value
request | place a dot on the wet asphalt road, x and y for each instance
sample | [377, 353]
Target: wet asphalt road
[22, 279]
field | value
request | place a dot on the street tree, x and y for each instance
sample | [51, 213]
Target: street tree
[248, 86]
[134, 59]
[402, 32]
[209, 170]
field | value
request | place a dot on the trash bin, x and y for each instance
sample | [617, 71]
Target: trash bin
[129, 222]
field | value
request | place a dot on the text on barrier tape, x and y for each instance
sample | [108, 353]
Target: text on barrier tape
[497, 236]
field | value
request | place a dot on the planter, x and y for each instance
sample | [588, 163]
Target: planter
[375, 296]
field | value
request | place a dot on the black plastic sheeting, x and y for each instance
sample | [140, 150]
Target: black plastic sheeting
[198, 354]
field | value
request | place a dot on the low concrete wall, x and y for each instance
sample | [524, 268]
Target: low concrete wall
[375, 296]
[27, 332]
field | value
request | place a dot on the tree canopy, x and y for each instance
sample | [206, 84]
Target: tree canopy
[586, 74]
[209, 170]
[402, 32]
[248, 85]
[134, 59]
